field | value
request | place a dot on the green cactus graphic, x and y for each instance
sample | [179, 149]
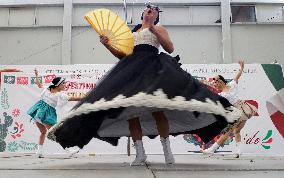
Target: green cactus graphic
[8, 121]
[4, 99]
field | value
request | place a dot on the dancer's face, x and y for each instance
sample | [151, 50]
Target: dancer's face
[150, 14]
[61, 87]
[218, 83]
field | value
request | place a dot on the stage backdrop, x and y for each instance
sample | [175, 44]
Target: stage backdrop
[263, 85]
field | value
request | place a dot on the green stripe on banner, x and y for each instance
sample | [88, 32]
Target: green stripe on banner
[268, 135]
[275, 75]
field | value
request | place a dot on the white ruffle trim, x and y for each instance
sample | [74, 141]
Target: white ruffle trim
[158, 100]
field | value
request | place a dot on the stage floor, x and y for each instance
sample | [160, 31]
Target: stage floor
[58, 165]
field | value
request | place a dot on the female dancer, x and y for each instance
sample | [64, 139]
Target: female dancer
[44, 112]
[230, 92]
[146, 93]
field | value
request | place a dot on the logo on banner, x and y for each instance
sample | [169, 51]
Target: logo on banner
[256, 140]
[267, 140]
[49, 78]
[22, 80]
[9, 79]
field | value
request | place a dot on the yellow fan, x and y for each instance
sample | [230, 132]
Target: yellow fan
[109, 24]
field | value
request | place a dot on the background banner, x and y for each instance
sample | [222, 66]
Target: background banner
[263, 85]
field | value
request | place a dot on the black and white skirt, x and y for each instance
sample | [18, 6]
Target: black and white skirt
[140, 84]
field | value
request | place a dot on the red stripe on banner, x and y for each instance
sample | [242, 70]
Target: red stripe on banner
[268, 141]
[278, 121]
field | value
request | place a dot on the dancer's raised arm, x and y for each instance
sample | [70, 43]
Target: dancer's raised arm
[242, 64]
[104, 40]
[38, 82]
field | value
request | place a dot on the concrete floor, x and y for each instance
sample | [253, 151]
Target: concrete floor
[108, 166]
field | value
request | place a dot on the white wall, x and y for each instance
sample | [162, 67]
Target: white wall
[197, 44]
[258, 46]
[30, 45]
[32, 31]
[86, 48]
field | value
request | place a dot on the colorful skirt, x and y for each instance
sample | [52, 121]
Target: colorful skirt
[248, 110]
[43, 113]
[140, 84]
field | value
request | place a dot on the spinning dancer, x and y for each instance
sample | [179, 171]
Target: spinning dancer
[230, 92]
[44, 112]
[148, 94]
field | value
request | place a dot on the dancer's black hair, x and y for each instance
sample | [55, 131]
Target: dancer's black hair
[56, 82]
[137, 27]
[222, 78]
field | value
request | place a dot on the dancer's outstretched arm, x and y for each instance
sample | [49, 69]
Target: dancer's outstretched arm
[39, 84]
[74, 98]
[242, 64]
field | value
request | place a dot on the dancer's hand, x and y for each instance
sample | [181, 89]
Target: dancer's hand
[242, 64]
[36, 72]
[153, 29]
[76, 96]
[37, 81]
[104, 40]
